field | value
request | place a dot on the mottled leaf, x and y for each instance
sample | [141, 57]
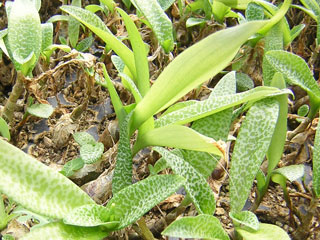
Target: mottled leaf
[208, 107]
[245, 219]
[83, 138]
[60, 231]
[135, 200]
[250, 149]
[37, 187]
[291, 173]
[202, 226]
[74, 26]
[91, 153]
[189, 69]
[316, 163]
[244, 82]
[24, 33]
[70, 167]
[159, 21]
[165, 4]
[196, 185]
[47, 35]
[122, 176]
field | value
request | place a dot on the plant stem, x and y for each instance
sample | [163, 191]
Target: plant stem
[260, 195]
[144, 231]
[14, 96]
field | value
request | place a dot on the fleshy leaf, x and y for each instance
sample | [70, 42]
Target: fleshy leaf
[24, 32]
[265, 232]
[91, 153]
[60, 231]
[135, 200]
[196, 185]
[74, 26]
[96, 25]
[250, 149]
[159, 21]
[245, 219]
[83, 138]
[70, 167]
[40, 110]
[244, 82]
[188, 70]
[208, 107]
[201, 226]
[297, 71]
[37, 187]
[177, 136]
[122, 176]
[165, 4]
[91, 215]
[316, 163]
[4, 129]
[291, 173]
[47, 35]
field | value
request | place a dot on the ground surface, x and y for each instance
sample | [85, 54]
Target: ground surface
[51, 142]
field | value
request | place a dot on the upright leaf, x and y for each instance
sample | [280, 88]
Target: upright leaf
[196, 185]
[47, 35]
[201, 226]
[316, 163]
[297, 71]
[159, 21]
[60, 231]
[189, 69]
[140, 54]
[24, 33]
[278, 140]
[122, 176]
[251, 146]
[96, 25]
[35, 186]
[135, 200]
[4, 129]
[74, 26]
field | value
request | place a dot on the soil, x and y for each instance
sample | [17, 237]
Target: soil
[50, 140]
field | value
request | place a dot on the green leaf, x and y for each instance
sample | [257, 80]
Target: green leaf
[291, 173]
[37, 4]
[250, 149]
[165, 4]
[96, 25]
[83, 138]
[254, 12]
[24, 33]
[189, 69]
[201, 226]
[245, 219]
[211, 106]
[216, 126]
[91, 215]
[60, 231]
[110, 4]
[135, 200]
[74, 26]
[85, 44]
[177, 136]
[244, 82]
[303, 110]
[278, 140]
[139, 52]
[127, 3]
[4, 129]
[265, 232]
[122, 176]
[296, 30]
[194, 21]
[196, 185]
[40, 110]
[7, 237]
[70, 167]
[297, 71]
[91, 153]
[47, 35]
[37, 187]
[316, 163]
[273, 41]
[159, 21]
[129, 83]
